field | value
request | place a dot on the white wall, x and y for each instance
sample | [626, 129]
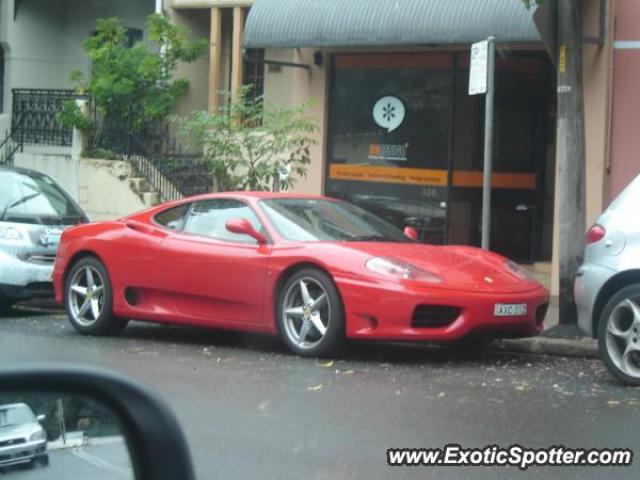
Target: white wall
[101, 187]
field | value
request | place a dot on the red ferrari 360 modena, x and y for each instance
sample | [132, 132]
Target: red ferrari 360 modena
[314, 270]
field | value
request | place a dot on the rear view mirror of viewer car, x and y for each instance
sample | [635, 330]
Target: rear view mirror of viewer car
[243, 226]
[69, 422]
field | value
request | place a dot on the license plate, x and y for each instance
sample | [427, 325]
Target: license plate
[510, 309]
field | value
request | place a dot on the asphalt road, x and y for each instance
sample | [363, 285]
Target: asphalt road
[251, 410]
[105, 461]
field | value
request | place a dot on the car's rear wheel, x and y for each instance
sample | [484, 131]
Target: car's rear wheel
[310, 314]
[619, 335]
[89, 299]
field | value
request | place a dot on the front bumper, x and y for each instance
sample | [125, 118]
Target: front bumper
[587, 285]
[22, 279]
[385, 311]
[22, 453]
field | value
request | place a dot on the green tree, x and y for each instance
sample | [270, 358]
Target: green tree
[247, 142]
[134, 83]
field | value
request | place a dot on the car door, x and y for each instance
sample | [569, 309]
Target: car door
[211, 274]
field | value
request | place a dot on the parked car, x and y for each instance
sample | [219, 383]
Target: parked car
[22, 438]
[312, 269]
[607, 285]
[34, 211]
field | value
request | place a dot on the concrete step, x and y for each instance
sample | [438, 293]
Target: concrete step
[150, 198]
[139, 184]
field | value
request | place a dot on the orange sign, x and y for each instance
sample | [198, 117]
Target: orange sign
[429, 177]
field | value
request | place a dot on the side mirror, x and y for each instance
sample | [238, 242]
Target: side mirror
[242, 226]
[411, 233]
[123, 426]
[41, 418]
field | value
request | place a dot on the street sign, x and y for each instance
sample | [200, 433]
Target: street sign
[478, 68]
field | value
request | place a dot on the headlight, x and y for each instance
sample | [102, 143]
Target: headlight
[393, 267]
[39, 435]
[10, 233]
[519, 272]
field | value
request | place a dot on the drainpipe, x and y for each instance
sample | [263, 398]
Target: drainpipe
[158, 7]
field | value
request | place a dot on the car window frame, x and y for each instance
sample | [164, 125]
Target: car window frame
[184, 220]
[263, 230]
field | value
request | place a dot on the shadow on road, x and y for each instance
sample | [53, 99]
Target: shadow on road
[381, 352]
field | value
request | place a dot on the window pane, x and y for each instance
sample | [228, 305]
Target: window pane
[172, 218]
[209, 218]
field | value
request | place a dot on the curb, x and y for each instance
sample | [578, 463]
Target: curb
[561, 347]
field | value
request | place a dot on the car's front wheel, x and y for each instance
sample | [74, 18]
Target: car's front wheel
[619, 335]
[89, 299]
[310, 314]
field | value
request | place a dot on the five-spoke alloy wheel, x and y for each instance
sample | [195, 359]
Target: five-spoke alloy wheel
[619, 335]
[88, 299]
[310, 314]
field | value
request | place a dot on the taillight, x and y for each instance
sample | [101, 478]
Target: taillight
[595, 234]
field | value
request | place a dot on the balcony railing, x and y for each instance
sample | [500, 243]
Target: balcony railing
[33, 116]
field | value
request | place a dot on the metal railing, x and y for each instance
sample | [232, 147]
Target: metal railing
[171, 170]
[8, 148]
[33, 116]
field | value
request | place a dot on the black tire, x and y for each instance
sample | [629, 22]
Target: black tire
[106, 323]
[605, 347]
[42, 460]
[334, 338]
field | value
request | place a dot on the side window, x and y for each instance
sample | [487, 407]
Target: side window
[172, 218]
[209, 217]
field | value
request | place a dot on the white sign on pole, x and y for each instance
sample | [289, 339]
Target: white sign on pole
[478, 68]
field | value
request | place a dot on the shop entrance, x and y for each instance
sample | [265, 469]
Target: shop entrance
[406, 143]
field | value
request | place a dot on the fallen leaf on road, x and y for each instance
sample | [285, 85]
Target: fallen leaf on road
[613, 402]
[346, 372]
[326, 364]
[315, 388]
[441, 395]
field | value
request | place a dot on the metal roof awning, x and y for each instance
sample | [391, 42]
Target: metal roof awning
[340, 23]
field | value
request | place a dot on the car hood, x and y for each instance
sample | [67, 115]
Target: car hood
[461, 267]
[23, 430]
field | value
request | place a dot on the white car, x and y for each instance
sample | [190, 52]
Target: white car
[22, 438]
[607, 285]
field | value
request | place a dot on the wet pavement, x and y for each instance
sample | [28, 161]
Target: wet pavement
[250, 409]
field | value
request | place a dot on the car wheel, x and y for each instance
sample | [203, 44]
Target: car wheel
[619, 335]
[310, 314]
[42, 460]
[89, 299]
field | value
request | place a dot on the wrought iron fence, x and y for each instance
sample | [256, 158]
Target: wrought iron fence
[33, 116]
[8, 148]
[173, 171]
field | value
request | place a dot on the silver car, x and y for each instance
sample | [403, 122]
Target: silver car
[22, 438]
[607, 285]
[34, 211]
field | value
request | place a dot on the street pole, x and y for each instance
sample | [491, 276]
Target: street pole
[488, 145]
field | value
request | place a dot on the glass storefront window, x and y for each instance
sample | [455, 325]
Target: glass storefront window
[389, 137]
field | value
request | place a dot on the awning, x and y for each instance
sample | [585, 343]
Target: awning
[338, 23]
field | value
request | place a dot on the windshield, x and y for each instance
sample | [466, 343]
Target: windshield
[35, 198]
[314, 220]
[16, 415]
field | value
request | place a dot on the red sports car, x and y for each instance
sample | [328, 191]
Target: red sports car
[311, 269]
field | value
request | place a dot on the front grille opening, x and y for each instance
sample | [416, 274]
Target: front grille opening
[434, 316]
[541, 312]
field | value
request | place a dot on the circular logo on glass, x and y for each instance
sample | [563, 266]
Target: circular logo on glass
[388, 112]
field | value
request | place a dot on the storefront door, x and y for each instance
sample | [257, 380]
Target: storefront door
[406, 143]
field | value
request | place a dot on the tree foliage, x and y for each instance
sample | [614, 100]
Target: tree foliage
[248, 141]
[134, 80]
